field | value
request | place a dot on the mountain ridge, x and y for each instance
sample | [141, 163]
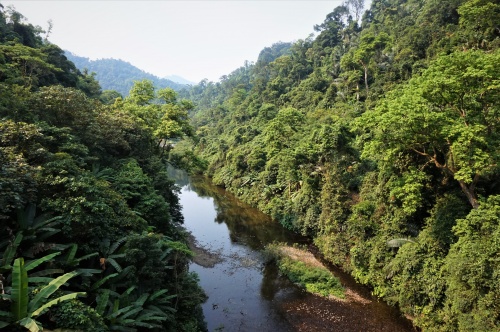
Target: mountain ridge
[117, 74]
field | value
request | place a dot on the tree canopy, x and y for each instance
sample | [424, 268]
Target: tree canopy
[378, 138]
[91, 226]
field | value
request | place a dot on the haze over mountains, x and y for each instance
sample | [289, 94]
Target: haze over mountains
[119, 75]
[179, 79]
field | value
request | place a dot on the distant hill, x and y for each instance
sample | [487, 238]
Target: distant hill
[118, 75]
[180, 80]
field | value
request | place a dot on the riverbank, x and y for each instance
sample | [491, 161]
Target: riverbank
[306, 257]
[331, 313]
[245, 293]
[316, 313]
[202, 255]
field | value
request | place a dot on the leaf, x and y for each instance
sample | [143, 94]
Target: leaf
[114, 264]
[165, 253]
[39, 280]
[56, 301]
[5, 313]
[25, 217]
[51, 222]
[30, 324]
[396, 243]
[71, 254]
[48, 290]
[128, 291]
[88, 272]
[142, 299]
[87, 256]
[132, 312]
[152, 315]
[10, 252]
[99, 283]
[159, 293]
[102, 302]
[45, 272]
[122, 328]
[121, 311]
[33, 264]
[146, 325]
[126, 271]
[115, 245]
[19, 292]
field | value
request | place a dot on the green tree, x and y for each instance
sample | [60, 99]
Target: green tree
[369, 47]
[159, 112]
[479, 23]
[472, 269]
[24, 64]
[448, 117]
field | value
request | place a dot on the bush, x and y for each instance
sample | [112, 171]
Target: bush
[76, 315]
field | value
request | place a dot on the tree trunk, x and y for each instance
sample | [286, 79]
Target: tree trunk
[366, 80]
[469, 192]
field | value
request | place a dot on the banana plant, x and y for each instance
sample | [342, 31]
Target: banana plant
[70, 261]
[9, 252]
[127, 312]
[24, 310]
[32, 233]
[109, 253]
[36, 229]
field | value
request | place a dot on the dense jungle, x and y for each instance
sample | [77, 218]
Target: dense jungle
[90, 223]
[377, 138]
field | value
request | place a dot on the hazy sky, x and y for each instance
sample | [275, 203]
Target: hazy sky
[192, 39]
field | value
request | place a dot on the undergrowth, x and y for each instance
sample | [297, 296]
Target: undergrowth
[314, 279]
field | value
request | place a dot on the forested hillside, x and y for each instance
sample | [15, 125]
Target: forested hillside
[378, 138]
[118, 75]
[90, 236]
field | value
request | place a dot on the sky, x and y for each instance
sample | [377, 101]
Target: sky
[191, 39]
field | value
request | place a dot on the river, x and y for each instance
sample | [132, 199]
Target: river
[245, 293]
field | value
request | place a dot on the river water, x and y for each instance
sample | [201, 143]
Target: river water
[245, 293]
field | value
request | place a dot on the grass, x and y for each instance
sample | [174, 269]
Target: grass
[303, 269]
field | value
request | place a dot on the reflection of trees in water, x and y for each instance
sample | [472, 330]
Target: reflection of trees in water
[246, 224]
[273, 282]
[180, 177]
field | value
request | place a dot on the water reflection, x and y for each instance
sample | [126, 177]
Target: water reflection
[246, 225]
[245, 294]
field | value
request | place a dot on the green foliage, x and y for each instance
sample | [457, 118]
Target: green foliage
[445, 117]
[374, 138]
[472, 270]
[25, 64]
[314, 280]
[370, 134]
[75, 315]
[25, 309]
[126, 312]
[101, 170]
[477, 22]
[159, 112]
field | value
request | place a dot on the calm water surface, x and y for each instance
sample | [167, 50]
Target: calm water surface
[244, 293]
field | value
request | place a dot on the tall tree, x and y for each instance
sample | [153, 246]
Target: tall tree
[449, 116]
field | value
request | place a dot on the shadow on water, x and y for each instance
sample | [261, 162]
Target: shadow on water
[247, 294]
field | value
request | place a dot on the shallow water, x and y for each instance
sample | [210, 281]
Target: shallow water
[244, 293]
